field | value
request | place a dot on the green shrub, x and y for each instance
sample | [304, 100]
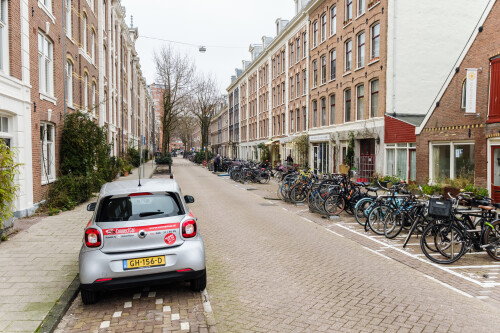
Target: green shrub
[133, 157]
[200, 156]
[164, 159]
[8, 187]
[479, 192]
[432, 189]
[68, 191]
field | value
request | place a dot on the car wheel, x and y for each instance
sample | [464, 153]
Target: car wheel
[88, 296]
[199, 284]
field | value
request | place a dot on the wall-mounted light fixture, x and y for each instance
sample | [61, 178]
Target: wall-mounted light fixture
[34, 106]
[377, 140]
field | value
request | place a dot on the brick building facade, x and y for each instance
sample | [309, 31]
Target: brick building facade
[57, 58]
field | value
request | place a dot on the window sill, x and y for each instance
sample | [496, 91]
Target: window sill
[374, 61]
[323, 84]
[47, 11]
[332, 80]
[373, 5]
[48, 98]
[347, 23]
[333, 35]
[346, 73]
[359, 16]
[84, 54]
[46, 182]
[359, 68]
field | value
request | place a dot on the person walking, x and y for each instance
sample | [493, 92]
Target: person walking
[216, 163]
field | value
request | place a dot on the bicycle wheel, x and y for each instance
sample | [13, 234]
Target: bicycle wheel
[360, 210]
[334, 204]
[264, 178]
[449, 241]
[393, 225]
[377, 217]
[492, 239]
[297, 194]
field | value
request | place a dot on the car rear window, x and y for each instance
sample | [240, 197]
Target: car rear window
[132, 208]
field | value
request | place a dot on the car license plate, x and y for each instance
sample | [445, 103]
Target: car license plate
[143, 262]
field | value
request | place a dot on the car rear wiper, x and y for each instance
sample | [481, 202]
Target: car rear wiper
[143, 214]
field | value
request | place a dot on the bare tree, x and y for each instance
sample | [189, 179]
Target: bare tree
[206, 99]
[175, 74]
[185, 128]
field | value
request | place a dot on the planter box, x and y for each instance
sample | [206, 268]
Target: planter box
[453, 191]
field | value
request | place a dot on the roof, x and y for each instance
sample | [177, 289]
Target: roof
[132, 186]
[412, 119]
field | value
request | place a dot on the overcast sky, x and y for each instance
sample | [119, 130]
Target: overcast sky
[233, 24]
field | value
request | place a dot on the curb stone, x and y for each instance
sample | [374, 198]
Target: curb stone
[62, 305]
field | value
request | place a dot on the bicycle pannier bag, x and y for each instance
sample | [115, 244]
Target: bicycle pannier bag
[439, 208]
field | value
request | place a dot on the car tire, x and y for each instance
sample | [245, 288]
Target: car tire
[89, 297]
[199, 284]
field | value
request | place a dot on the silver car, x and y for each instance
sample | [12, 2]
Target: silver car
[140, 235]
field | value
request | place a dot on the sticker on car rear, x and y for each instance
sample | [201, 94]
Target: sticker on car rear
[170, 239]
[134, 230]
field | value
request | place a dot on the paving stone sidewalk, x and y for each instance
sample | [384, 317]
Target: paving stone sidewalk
[39, 264]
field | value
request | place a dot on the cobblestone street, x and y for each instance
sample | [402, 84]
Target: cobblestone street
[275, 267]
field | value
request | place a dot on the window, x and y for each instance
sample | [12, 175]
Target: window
[279, 64]
[315, 34]
[315, 113]
[361, 50]
[452, 160]
[348, 11]
[282, 92]
[284, 121]
[332, 109]
[291, 121]
[47, 4]
[361, 7]
[347, 105]
[104, 62]
[333, 20]
[274, 68]
[323, 69]
[298, 50]
[304, 81]
[375, 47]
[464, 94]
[292, 59]
[104, 108]
[304, 115]
[297, 79]
[69, 83]
[398, 158]
[279, 124]
[283, 64]
[297, 112]
[291, 88]
[374, 98]
[68, 19]
[4, 47]
[86, 92]
[94, 102]
[278, 102]
[348, 55]
[84, 33]
[315, 73]
[274, 97]
[5, 136]
[45, 65]
[323, 111]
[323, 28]
[92, 46]
[360, 101]
[47, 152]
[304, 40]
[333, 64]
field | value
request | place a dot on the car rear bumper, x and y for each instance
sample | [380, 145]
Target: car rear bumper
[141, 280]
[95, 264]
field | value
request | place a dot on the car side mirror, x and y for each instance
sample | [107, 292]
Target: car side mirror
[91, 206]
[189, 199]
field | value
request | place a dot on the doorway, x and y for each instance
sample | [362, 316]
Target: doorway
[495, 173]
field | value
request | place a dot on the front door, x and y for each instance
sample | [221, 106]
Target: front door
[495, 173]
[367, 159]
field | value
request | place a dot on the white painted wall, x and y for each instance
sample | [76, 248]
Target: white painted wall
[424, 39]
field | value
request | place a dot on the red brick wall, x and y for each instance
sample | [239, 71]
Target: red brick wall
[14, 17]
[397, 131]
[449, 121]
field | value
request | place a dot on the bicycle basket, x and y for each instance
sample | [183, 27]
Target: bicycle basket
[440, 208]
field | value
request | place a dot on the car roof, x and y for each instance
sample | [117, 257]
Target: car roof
[147, 185]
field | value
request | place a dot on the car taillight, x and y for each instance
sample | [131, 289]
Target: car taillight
[189, 229]
[92, 237]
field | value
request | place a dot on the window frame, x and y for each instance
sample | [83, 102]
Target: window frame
[69, 19]
[323, 68]
[315, 73]
[47, 152]
[372, 93]
[85, 33]
[360, 56]
[315, 113]
[323, 27]
[323, 111]
[332, 109]
[315, 33]
[69, 83]
[348, 55]
[361, 4]
[347, 101]
[348, 11]
[375, 41]
[45, 71]
[333, 64]
[360, 100]
[333, 20]
[464, 95]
